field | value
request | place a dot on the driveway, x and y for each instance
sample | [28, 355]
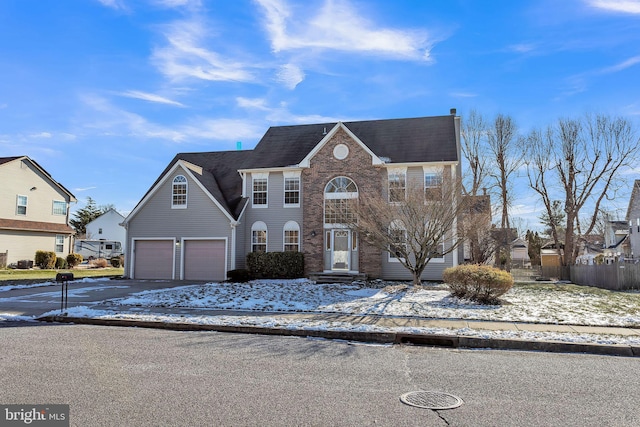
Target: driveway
[35, 301]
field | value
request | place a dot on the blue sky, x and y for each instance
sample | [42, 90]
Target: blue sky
[103, 93]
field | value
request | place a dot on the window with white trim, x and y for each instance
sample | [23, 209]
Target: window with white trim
[259, 237]
[433, 186]
[179, 192]
[292, 191]
[59, 207]
[397, 186]
[438, 254]
[291, 237]
[59, 243]
[398, 234]
[260, 186]
[21, 205]
[340, 194]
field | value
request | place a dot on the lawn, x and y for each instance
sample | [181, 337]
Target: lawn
[535, 303]
[37, 274]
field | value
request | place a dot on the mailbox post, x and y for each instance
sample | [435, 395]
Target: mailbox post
[63, 279]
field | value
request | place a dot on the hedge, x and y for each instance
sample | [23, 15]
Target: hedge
[275, 265]
[479, 283]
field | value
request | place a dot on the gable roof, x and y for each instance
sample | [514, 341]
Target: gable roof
[635, 193]
[415, 140]
[219, 176]
[4, 160]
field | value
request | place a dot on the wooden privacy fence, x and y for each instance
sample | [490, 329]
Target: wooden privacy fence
[615, 277]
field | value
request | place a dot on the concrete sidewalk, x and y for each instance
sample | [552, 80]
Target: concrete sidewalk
[390, 323]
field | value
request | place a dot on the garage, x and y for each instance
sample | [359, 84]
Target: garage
[153, 259]
[204, 259]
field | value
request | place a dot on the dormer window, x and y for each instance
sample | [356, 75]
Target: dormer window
[179, 192]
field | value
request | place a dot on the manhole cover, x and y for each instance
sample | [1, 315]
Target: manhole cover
[431, 400]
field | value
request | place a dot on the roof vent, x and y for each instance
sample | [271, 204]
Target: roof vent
[239, 145]
[324, 131]
[452, 111]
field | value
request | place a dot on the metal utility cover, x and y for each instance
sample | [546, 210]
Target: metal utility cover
[431, 400]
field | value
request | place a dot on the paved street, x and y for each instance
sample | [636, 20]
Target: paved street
[147, 377]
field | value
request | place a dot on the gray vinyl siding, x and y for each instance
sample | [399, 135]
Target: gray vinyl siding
[157, 219]
[275, 216]
[392, 270]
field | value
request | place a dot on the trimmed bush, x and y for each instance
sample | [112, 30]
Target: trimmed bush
[479, 283]
[117, 261]
[240, 275]
[99, 263]
[61, 264]
[276, 265]
[74, 259]
[45, 259]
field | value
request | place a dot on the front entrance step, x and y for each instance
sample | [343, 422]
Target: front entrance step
[337, 277]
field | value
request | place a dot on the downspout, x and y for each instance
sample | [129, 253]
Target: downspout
[233, 224]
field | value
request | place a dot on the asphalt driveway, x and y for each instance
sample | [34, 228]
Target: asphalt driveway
[35, 301]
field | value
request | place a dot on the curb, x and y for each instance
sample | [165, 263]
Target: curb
[433, 340]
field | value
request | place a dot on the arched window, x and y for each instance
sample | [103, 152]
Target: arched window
[339, 195]
[291, 237]
[259, 237]
[179, 192]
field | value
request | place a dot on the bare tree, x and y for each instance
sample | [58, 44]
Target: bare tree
[504, 147]
[476, 221]
[415, 231]
[579, 160]
[474, 142]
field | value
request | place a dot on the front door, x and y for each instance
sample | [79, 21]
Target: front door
[340, 250]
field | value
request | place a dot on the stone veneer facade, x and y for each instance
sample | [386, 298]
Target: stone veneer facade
[323, 167]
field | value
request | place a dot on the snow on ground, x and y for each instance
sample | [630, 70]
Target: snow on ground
[555, 304]
[43, 284]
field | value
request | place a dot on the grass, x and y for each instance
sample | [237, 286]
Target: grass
[79, 273]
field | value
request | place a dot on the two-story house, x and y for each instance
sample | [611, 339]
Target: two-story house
[34, 213]
[633, 217]
[206, 211]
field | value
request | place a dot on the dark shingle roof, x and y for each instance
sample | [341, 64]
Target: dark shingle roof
[417, 140]
[423, 139]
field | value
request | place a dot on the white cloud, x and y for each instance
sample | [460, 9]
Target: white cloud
[115, 122]
[290, 75]
[114, 4]
[186, 57]
[81, 189]
[252, 103]
[41, 135]
[177, 3]
[463, 94]
[338, 26]
[150, 97]
[621, 66]
[624, 6]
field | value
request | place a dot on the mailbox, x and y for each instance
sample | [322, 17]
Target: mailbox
[64, 277]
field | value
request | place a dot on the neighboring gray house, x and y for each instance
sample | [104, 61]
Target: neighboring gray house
[108, 226]
[633, 218]
[34, 213]
[206, 211]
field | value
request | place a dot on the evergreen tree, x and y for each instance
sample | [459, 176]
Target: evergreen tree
[534, 243]
[84, 216]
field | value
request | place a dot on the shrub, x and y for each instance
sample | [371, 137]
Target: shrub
[276, 265]
[74, 259]
[240, 275]
[99, 263]
[117, 261]
[61, 263]
[45, 259]
[479, 283]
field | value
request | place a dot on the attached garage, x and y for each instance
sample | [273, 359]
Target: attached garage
[204, 259]
[153, 259]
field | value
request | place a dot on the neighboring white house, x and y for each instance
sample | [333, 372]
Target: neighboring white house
[107, 227]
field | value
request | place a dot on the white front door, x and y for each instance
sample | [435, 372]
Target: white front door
[340, 250]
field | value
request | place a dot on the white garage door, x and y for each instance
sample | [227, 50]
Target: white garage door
[204, 260]
[153, 259]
